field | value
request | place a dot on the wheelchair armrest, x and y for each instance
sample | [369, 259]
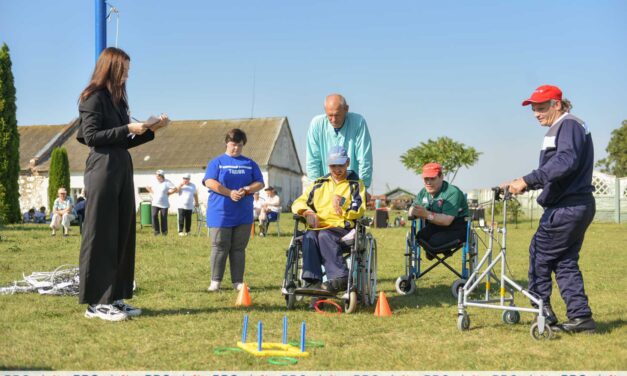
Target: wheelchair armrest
[299, 218]
[364, 221]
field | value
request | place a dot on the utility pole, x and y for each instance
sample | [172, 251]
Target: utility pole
[101, 26]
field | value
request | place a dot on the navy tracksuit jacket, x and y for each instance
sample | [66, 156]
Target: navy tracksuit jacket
[565, 177]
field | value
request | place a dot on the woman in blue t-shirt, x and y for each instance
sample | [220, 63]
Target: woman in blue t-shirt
[232, 179]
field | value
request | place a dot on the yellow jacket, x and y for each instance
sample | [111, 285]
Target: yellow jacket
[319, 198]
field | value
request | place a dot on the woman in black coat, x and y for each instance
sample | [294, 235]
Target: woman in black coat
[107, 257]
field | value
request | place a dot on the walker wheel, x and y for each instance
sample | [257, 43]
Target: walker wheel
[463, 322]
[457, 286]
[405, 285]
[535, 332]
[350, 305]
[511, 317]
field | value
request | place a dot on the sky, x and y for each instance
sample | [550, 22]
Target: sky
[416, 70]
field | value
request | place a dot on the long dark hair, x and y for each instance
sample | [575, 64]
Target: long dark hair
[108, 74]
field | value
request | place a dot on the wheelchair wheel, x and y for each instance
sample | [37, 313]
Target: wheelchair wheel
[290, 299]
[473, 252]
[369, 276]
[457, 286]
[350, 305]
[405, 285]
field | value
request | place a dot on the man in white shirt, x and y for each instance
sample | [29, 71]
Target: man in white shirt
[188, 200]
[160, 202]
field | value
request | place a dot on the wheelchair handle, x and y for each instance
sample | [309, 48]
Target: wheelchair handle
[299, 218]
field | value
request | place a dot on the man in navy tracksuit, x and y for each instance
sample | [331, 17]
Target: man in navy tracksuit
[565, 177]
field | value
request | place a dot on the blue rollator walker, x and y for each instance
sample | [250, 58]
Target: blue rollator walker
[414, 247]
[485, 271]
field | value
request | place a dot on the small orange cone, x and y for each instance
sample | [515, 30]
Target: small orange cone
[383, 308]
[243, 298]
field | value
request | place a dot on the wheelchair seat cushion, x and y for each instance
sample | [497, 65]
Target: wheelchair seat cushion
[448, 247]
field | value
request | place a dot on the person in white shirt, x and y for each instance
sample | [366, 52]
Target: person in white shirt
[161, 203]
[188, 200]
[269, 211]
[62, 212]
[257, 206]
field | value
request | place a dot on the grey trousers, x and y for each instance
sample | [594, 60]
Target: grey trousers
[229, 242]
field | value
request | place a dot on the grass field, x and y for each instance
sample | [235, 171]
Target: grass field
[182, 324]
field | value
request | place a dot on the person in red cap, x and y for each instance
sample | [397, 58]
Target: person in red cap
[443, 206]
[565, 177]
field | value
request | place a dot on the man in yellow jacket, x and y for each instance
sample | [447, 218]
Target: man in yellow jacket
[331, 204]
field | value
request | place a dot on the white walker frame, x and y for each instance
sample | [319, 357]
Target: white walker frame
[511, 315]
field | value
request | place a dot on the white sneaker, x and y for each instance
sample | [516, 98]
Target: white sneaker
[106, 312]
[181, 234]
[127, 308]
[238, 286]
[214, 286]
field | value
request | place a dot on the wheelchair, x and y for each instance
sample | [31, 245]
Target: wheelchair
[414, 247]
[360, 255]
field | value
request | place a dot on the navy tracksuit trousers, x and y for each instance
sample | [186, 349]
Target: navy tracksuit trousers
[323, 247]
[555, 249]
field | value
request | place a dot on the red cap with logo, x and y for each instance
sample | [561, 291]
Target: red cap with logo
[543, 94]
[431, 170]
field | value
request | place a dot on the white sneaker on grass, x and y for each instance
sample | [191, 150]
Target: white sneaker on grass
[105, 312]
[127, 308]
[238, 286]
[214, 286]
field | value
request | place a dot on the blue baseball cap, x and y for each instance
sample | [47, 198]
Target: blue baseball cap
[337, 156]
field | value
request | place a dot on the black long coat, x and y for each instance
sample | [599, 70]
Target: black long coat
[107, 257]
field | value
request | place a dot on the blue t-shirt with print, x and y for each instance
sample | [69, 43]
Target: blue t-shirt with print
[233, 173]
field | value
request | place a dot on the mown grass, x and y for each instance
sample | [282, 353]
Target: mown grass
[182, 324]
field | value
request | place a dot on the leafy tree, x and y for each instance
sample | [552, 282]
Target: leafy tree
[452, 155]
[9, 142]
[616, 161]
[59, 174]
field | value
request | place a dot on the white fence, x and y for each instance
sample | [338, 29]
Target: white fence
[610, 195]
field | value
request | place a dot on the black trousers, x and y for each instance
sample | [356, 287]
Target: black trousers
[107, 255]
[185, 219]
[440, 235]
[157, 214]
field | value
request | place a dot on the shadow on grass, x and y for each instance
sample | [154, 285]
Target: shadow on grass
[610, 326]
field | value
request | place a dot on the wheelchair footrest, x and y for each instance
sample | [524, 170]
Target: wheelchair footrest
[312, 292]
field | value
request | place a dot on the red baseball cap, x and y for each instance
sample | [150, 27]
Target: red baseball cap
[544, 93]
[431, 170]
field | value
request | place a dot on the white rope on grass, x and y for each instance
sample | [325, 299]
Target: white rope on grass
[63, 280]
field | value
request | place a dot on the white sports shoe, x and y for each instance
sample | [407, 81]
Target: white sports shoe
[238, 286]
[181, 234]
[214, 286]
[106, 312]
[127, 308]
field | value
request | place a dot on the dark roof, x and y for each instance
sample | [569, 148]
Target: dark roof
[396, 192]
[33, 140]
[191, 144]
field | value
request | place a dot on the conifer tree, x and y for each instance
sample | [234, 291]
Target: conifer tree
[59, 175]
[9, 143]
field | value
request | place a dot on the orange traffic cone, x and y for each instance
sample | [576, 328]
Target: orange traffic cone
[383, 308]
[243, 298]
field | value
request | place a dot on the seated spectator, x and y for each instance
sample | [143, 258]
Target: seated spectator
[331, 205]
[62, 212]
[29, 216]
[40, 216]
[442, 205]
[269, 210]
[257, 205]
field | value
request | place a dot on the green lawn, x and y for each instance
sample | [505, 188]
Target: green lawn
[182, 324]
